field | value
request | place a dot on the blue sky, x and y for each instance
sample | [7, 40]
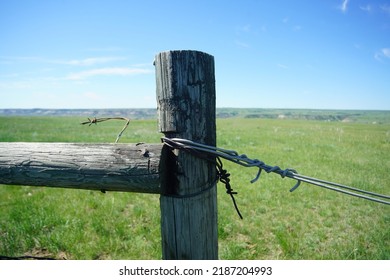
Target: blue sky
[324, 54]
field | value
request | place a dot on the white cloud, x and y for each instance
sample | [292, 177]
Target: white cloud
[87, 61]
[386, 52]
[110, 71]
[92, 61]
[383, 53]
[344, 6]
[74, 62]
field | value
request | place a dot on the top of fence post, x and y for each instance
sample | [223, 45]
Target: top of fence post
[186, 108]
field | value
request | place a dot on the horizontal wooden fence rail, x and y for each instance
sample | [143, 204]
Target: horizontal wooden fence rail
[106, 167]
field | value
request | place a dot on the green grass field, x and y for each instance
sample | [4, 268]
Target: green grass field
[309, 223]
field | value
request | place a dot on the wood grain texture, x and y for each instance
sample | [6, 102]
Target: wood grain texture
[186, 109]
[109, 167]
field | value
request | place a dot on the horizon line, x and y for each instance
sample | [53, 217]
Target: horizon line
[227, 107]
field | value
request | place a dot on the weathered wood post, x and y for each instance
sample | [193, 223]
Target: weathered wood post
[186, 109]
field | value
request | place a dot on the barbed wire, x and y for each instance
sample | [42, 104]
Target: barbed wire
[214, 153]
[243, 160]
[95, 121]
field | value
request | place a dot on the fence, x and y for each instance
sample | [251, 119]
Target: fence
[185, 83]
[182, 169]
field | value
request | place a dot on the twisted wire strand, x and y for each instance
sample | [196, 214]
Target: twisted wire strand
[243, 160]
[97, 120]
[204, 152]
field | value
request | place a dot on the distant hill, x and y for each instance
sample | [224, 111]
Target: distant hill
[260, 113]
[364, 116]
[130, 113]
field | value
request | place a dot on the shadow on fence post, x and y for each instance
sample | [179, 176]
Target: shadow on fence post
[185, 83]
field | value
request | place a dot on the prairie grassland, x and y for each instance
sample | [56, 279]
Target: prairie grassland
[309, 223]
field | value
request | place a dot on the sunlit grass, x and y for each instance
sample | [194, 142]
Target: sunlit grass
[309, 223]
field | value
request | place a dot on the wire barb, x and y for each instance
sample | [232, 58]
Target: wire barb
[223, 177]
[96, 120]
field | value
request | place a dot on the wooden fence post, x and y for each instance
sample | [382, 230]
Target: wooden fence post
[186, 109]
